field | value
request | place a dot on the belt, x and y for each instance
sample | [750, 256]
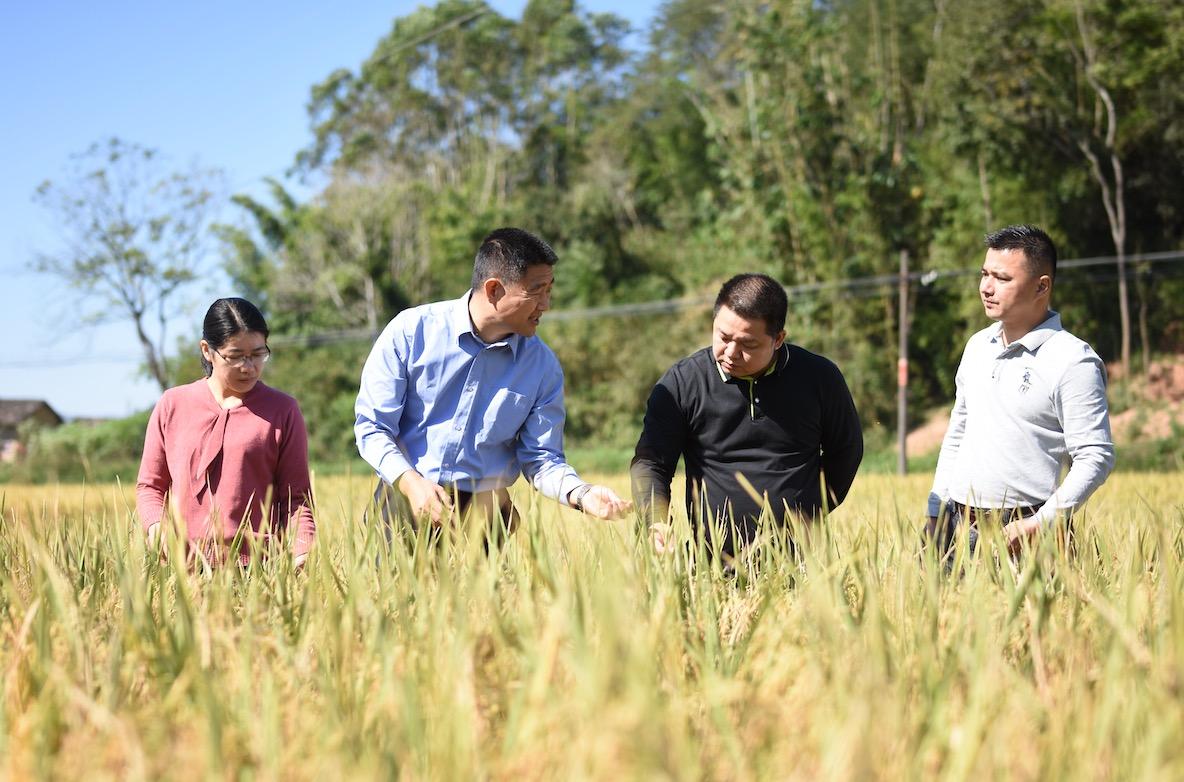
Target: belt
[1002, 515]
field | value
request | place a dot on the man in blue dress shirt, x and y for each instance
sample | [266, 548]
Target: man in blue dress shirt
[458, 398]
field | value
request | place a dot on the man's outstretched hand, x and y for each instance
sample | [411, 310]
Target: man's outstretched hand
[603, 503]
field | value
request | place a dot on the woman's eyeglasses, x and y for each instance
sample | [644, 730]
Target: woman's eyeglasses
[258, 358]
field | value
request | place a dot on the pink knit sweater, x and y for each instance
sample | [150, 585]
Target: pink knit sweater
[222, 466]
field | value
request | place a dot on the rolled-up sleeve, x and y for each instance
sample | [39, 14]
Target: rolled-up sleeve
[1084, 415]
[380, 403]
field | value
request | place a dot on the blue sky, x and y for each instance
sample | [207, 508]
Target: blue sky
[222, 84]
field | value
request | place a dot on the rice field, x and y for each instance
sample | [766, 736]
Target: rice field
[575, 652]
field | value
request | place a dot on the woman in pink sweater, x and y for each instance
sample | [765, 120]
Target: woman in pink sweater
[231, 452]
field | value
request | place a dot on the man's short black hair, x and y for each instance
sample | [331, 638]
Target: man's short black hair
[507, 253]
[754, 296]
[1038, 248]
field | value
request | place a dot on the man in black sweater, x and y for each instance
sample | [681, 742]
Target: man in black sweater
[750, 412]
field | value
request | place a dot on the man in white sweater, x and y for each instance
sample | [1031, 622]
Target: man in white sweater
[1030, 399]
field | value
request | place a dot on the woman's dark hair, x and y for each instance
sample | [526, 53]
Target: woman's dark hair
[224, 319]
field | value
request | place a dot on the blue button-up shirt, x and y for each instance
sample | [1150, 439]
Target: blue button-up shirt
[437, 399]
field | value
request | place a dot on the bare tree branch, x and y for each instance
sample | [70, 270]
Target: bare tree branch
[135, 236]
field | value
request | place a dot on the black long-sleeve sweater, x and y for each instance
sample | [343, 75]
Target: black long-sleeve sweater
[779, 431]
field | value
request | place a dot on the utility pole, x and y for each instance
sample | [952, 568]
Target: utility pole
[902, 368]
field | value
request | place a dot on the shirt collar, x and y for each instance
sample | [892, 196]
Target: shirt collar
[462, 323]
[779, 362]
[1037, 336]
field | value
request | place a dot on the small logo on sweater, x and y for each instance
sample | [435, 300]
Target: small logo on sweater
[1026, 382]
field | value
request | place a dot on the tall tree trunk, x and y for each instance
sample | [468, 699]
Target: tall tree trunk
[1113, 193]
[1112, 201]
[1144, 331]
[151, 354]
[371, 298]
[1124, 312]
[489, 184]
[984, 187]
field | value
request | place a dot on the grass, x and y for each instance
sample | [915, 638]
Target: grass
[575, 652]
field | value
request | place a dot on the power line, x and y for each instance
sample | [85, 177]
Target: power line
[859, 287]
[855, 284]
[856, 287]
[933, 275]
[430, 34]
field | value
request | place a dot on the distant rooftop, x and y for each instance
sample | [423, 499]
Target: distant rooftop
[14, 411]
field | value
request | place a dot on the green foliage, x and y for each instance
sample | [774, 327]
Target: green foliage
[83, 451]
[1164, 454]
[610, 365]
[324, 380]
[811, 141]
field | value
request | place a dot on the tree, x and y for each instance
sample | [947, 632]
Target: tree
[134, 235]
[432, 97]
[1077, 94]
[811, 140]
[249, 256]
